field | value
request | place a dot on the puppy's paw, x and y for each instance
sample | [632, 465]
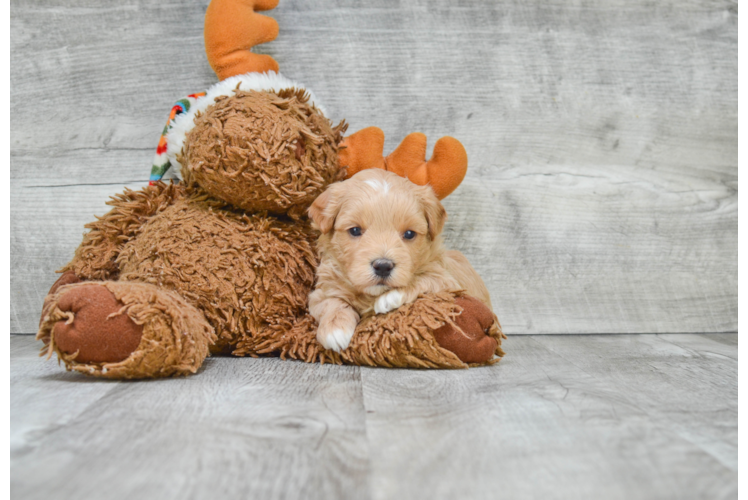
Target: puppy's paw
[336, 339]
[335, 331]
[389, 301]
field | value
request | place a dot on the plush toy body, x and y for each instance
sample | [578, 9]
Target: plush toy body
[224, 261]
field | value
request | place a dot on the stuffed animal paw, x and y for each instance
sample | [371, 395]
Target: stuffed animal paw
[94, 327]
[118, 329]
[470, 337]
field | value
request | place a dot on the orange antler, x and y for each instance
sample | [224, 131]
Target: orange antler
[443, 172]
[232, 28]
[362, 150]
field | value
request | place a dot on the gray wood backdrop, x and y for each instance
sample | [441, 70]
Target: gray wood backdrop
[602, 135]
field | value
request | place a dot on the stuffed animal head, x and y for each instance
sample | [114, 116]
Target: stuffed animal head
[261, 142]
[262, 150]
[256, 139]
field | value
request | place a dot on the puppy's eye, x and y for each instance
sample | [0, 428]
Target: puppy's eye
[355, 231]
[409, 235]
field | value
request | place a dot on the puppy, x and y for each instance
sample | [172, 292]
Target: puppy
[380, 248]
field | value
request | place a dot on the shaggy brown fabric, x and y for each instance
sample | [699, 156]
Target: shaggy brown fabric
[98, 331]
[402, 338]
[263, 151]
[175, 335]
[470, 341]
[195, 270]
[249, 275]
[67, 278]
[95, 257]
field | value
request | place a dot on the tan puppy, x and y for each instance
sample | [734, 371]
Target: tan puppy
[380, 248]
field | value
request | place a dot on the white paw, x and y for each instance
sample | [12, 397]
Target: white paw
[336, 339]
[389, 302]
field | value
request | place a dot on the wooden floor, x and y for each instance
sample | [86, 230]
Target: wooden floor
[576, 416]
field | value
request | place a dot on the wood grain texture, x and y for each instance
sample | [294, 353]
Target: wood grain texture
[584, 417]
[241, 428]
[602, 137]
[609, 416]
[723, 338]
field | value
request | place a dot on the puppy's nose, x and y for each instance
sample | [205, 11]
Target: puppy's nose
[383, 267]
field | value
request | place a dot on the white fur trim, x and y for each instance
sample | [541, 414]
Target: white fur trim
[251, 81]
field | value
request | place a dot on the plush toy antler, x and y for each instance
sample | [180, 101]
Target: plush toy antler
[232, 28]
[443, 172]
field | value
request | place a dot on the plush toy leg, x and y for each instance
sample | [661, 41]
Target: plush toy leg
[478, 335]
[443, 330]
[96, 256]
[67, 278]
[123, 330]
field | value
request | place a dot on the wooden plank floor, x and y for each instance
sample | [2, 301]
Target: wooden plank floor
[594, 416]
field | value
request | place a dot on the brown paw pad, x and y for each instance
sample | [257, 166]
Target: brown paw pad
[97, 332]
[472, 345]
[67, 278]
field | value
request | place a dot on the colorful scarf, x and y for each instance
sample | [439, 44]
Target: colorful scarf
[161, 162]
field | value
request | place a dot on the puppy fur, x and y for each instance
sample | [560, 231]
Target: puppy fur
[372, 216]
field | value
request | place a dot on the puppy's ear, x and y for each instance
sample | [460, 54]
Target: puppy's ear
[435, 213]
[325, 208]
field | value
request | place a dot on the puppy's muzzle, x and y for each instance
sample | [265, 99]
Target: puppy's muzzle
[383, 267]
